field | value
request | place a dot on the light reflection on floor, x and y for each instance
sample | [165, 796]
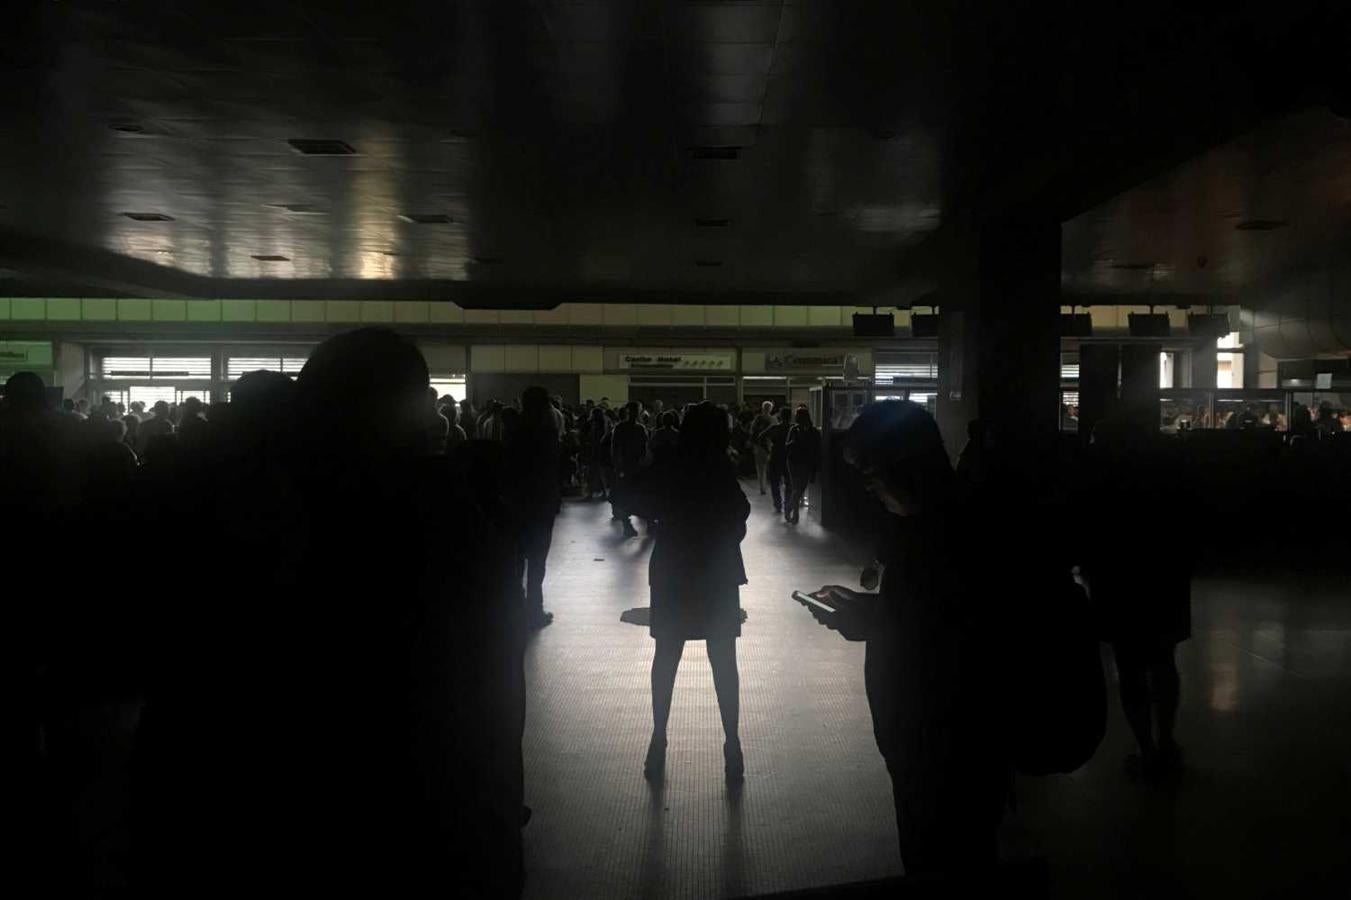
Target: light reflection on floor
[1263, 812]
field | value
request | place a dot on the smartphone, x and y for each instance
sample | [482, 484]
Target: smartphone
[811, 602]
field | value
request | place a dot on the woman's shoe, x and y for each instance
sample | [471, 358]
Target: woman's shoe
[655, 764]
[735, 762]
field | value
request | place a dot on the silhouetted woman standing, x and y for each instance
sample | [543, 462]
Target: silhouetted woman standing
[696, 572]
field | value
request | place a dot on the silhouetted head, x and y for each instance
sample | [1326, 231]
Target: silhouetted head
[896, 446]
[161, 409]
[704, 435]
[364, 393]
[670, 420]
[785, 415]
[803, 417]
[111, 430]
[262, 394]
[192, 408]
[633, 409]
[535, 401]
[68, 405]
[25, 393]
[767, 407]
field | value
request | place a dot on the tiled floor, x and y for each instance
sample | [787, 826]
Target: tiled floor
[1263, 812]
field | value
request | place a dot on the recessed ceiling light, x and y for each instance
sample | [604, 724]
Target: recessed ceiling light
[426, 218]
[715, 152]
[321, 147]
[299, 209]
[148, 217]
[708, 263]
[271, 257]
[712, 223]
[1260, 225]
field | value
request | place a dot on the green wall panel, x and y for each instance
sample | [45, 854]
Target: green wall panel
[238, 311]
[203, 310]
[379, 311]
[170, 310]
[27, 308]
[411, 312]
[133, 309]
[444, 314]
[342, 311]
[98, 309]
[63, 309]
[273, 310]
[307, 311]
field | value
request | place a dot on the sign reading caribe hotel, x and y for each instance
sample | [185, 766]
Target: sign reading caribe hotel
[677, 362]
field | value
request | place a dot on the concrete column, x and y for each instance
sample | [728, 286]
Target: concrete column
[999, 339]
[1140, 384]
[1204, 365]
[1099, 372]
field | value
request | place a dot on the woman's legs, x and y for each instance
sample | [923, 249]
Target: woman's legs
[761, 465]
[1136, 702]
[1166, 685]
[726, 683]
[798, 478]
[664, 665]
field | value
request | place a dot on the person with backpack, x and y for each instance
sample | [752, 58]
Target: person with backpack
[928, 673]
[803, 455]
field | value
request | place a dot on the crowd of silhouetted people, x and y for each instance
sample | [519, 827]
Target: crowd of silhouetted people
[329, 642]
[601, 444]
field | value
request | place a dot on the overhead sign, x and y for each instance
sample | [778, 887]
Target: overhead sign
[677, 362]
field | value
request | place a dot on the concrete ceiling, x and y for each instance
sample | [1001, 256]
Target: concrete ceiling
[801, 151]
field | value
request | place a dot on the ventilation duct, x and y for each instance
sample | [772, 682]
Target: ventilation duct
[1305, 314]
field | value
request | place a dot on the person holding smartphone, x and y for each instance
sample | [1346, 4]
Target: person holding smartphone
[926, 670]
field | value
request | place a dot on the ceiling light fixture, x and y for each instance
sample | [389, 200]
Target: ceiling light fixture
[321, 147]
[148, 217]
[299, 209]
[426, 218]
